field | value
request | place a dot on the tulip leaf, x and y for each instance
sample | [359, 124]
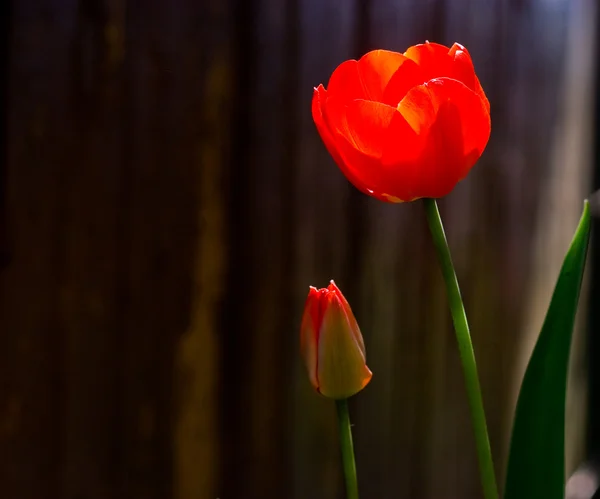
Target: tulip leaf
[536, 464]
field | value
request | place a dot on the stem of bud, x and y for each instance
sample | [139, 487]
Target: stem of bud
[347, 448]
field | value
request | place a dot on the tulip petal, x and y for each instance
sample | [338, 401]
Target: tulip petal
[432, 58]
[309, 329]
[366, 78]
[342, 370]
[463, 121]
[418, 109]
[408, 75]
[401, 161]
[346, 83]
[378, 145]
[364, 124]
[456, 124]
[376, 69]
[319, 98]
[464, 71]
[351, 319]
[439, 61]
[358, 130]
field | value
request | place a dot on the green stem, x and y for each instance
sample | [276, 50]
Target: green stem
[347, 448]
[465, 347]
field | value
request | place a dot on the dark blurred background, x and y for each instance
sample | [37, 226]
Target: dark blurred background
[165, 201]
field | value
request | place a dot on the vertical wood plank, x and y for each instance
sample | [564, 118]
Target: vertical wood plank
[197, 449]
[237, 320]
[274, 125]
[161, 220]
[32, 340]
[88, 303]
[6, 27]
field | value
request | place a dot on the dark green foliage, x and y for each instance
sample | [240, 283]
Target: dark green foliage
[537, 458]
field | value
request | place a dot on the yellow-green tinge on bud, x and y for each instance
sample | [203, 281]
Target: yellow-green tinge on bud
[332, 345]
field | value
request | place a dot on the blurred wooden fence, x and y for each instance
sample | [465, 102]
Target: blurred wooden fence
[168, 202]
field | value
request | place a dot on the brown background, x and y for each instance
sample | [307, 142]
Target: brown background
[168, 202]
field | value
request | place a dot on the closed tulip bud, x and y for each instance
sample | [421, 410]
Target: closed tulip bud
[331, 344]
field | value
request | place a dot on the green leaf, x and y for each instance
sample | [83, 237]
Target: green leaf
[536, 464]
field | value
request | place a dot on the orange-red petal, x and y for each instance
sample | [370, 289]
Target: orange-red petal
[418, 109]
[401, 161]
[376, 69]
[359, 130]
[379, 147]
[318, 100]
[346, 83]
[432, 58]
[464, 71]
[438, 61]
[463, 119]
[408, 75]
[333, 146]
[365, 125]
[366, 78]
[309, 330]
[456, 133]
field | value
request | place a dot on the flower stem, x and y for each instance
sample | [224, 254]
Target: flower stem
[465, 347]
[347, 448]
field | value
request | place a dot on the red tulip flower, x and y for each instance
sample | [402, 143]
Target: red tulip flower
[404, 126]
[331, 344]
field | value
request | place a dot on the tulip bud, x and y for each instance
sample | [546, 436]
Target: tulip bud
[331, 344]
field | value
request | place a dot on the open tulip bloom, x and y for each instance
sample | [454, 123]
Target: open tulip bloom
[403, 127]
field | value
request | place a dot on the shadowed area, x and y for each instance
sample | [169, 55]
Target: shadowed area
[166, 200]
